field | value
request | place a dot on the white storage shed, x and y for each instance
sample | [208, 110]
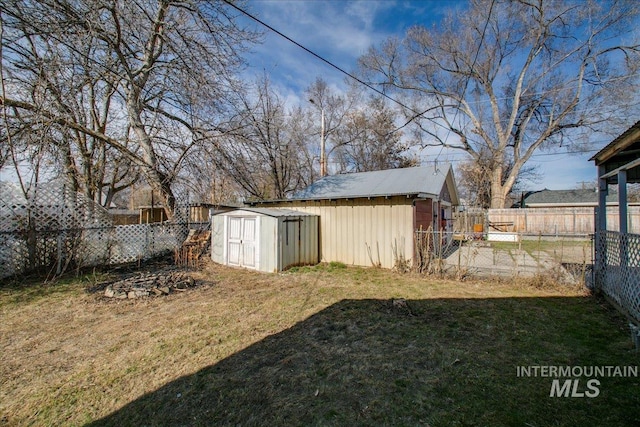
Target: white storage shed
[265, 239]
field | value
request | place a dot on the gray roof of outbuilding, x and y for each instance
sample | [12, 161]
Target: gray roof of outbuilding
[566, 197]
[391, 182]
[274, 212]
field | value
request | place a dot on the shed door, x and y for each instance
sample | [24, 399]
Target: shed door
[242, 241]
[249, 242]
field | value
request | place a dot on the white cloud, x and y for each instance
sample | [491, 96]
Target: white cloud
[341, 31]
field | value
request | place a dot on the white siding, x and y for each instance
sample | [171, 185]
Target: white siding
[268, 244]
[263, 241]
[218, 239]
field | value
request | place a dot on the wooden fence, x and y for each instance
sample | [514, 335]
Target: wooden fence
[469, 221]
[558, 221]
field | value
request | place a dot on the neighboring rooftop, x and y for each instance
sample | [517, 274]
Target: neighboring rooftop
[577, 197]
[418, 181]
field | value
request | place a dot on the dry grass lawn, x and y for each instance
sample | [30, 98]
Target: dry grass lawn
[318, 346]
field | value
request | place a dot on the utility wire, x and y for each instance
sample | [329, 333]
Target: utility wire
[326, 61]
[416, 113]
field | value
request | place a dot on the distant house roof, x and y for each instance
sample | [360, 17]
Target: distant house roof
[215, 208]
[417, 181]
[120, 211]
[564, 198]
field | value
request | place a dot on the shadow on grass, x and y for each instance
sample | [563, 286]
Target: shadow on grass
[438, 362]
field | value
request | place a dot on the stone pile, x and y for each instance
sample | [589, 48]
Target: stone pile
[149, 284]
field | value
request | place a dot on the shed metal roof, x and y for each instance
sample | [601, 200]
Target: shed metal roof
[274, 212]
[427, 180]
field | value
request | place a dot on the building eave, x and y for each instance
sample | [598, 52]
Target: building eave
[627, 138]
[419, 196]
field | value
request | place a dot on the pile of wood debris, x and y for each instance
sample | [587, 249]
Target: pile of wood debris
[194, 248]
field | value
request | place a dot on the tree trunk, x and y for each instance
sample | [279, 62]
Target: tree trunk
[498, 193]
[158, 180]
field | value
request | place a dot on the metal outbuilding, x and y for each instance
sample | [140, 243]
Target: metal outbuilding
[265, 239]
[371, 218]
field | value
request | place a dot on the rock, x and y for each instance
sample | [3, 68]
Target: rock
[400, 303]
[144, 285]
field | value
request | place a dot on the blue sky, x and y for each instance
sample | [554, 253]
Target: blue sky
[341, 31]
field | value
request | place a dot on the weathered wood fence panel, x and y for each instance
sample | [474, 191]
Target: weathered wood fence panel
[556, 221]
[467, 221]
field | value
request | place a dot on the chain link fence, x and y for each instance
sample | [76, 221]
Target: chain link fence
[569, 259]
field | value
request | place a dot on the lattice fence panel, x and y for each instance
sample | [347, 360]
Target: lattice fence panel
[54, 228]
[13, 251]
[41, 228]
[618, 274]
[128, 243]
[166, 237]
[95, 246]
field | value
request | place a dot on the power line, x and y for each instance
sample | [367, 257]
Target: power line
[417, 114]
[326, 61]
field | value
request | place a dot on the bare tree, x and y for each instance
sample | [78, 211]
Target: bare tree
[333, 107]
[69, 84]
[509, 78]
[475, 185]
[167, 65]
[368, 140]
[266, 154]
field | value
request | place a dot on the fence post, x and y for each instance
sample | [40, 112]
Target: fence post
[59, 254]
[146, 241]
[539, 242]
[459, 255]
